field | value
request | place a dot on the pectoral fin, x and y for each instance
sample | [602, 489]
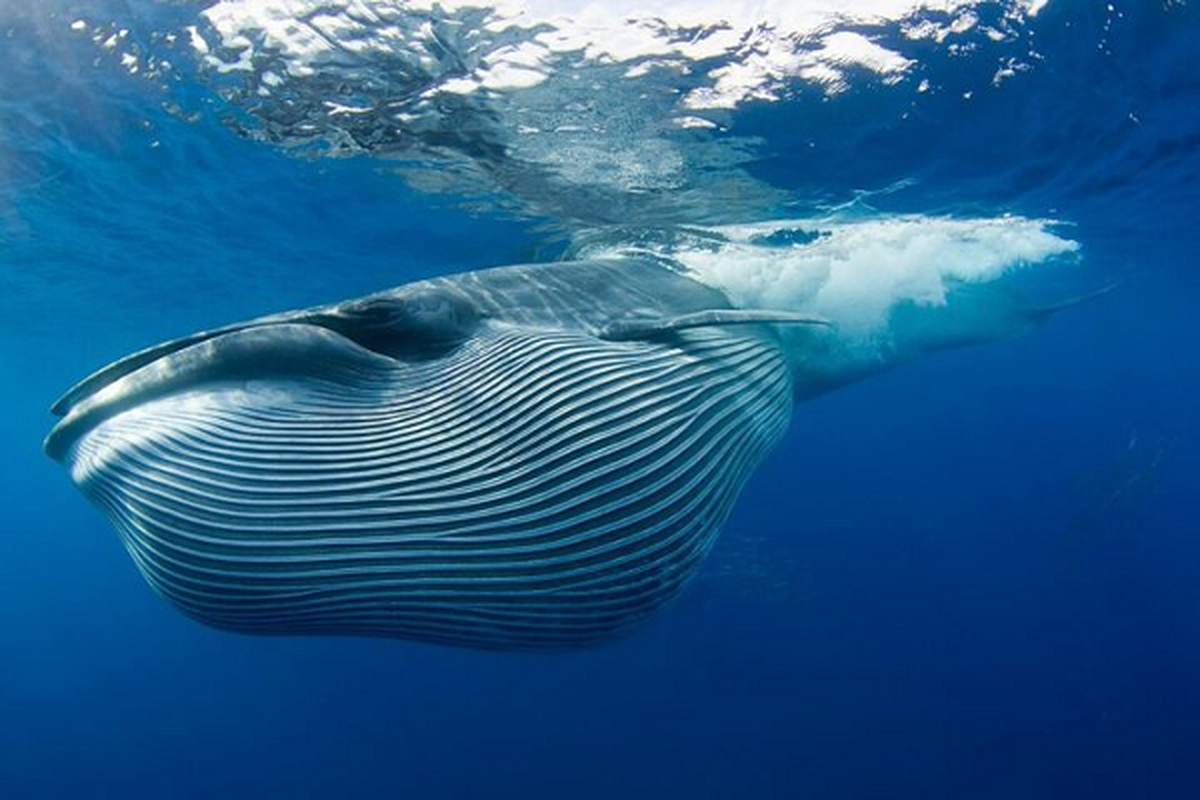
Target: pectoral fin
[628, 329]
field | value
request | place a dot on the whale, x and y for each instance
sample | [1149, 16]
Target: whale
[525, 457]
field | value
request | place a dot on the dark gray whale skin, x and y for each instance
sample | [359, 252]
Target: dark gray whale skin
[524, 457]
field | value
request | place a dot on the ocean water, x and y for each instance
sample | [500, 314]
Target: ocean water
[974, 576]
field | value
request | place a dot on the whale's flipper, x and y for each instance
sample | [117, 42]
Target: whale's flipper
[627, 329]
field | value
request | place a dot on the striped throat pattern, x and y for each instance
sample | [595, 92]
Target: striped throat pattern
[534, 488]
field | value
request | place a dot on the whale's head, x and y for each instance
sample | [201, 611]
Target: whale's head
[421, 464]
[384, 330]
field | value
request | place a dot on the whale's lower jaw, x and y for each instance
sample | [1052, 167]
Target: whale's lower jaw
[533, 489]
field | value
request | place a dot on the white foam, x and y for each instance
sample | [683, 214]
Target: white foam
[854, 272]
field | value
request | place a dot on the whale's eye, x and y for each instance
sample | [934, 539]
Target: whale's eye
[421, 323]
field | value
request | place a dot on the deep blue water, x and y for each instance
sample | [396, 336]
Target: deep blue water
[975, 576]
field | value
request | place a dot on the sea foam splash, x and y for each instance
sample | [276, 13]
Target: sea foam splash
[855, 272]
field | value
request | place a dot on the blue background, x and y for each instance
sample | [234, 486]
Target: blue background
[977, 576]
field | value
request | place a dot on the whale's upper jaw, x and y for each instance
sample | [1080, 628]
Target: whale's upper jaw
[423, 318]
[252, 351]
[413, 324]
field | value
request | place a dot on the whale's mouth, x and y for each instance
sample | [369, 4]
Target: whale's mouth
[256, 351]
[376, 332]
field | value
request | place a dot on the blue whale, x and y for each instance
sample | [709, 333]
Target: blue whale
[524, 457]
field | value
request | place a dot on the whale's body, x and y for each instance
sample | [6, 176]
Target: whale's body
[531, 456]
[478, 460]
